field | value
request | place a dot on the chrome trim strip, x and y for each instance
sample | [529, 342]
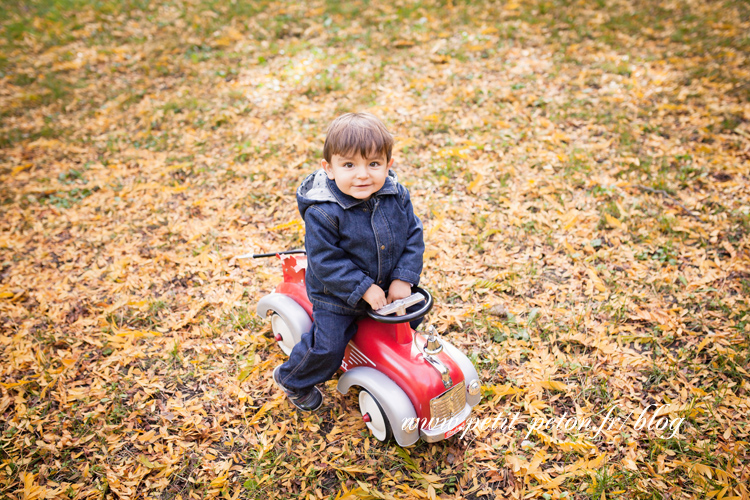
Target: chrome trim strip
[445, 374]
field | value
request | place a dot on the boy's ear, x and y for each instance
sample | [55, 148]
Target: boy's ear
[327, 167]
[390, 163]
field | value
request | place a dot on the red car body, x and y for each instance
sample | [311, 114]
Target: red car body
[392, 350]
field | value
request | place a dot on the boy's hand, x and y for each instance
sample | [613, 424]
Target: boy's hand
[375, 296]
[398, 290]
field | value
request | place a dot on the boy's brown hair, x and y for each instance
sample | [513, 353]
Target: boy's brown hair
[357, 132]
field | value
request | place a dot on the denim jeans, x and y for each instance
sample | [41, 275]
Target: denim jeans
[319, 353]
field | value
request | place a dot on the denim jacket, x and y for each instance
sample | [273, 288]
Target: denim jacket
[353, 243]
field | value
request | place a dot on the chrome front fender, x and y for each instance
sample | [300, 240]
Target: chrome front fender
[392, 398]
[467, 368]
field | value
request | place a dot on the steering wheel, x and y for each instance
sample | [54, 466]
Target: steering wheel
[406, 317]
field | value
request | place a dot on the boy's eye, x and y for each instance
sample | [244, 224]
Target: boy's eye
[375, 164]
[348, 164]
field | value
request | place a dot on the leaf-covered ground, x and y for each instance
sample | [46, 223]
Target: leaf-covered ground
[582, 172]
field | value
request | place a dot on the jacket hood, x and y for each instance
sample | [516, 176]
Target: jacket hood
[318, 188]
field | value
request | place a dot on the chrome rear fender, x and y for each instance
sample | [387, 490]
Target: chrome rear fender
[290, 311]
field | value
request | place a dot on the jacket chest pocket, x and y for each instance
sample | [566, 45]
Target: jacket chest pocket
[384, 236]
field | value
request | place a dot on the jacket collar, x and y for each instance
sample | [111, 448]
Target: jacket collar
[346, 201]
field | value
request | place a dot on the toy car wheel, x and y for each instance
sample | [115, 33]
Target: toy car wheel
[282, 333]
[374, 416]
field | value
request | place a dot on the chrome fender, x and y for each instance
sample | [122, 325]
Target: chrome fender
[392, 398]
[292, 313]
[467, 368]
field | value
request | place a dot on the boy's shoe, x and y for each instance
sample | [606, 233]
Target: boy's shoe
[307, 401]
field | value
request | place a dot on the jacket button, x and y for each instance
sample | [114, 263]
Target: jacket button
[382, 247]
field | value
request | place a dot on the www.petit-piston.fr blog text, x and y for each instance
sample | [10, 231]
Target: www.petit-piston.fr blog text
[651, 418]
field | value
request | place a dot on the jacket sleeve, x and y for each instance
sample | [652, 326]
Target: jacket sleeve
[409, 265]
[329, 263]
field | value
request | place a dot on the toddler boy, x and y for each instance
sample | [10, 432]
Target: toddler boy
[362, 238]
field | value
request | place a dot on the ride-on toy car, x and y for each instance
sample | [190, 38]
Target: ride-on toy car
[406, 391]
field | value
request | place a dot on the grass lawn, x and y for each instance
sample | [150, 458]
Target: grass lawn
[582, 170]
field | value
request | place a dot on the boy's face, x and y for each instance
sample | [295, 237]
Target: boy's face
[357, 176]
